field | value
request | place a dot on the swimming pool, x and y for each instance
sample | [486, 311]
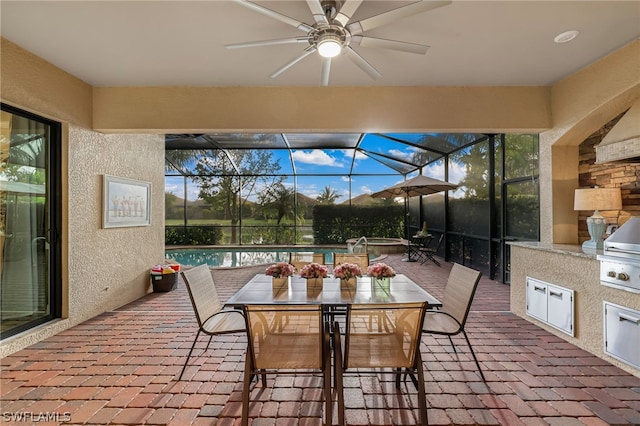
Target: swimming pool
[233, 257]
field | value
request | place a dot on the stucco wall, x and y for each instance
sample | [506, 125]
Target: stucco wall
[580, 104]
[318, 109]
[576, 271]
[31, 83]
[102, 268]
[110, 267]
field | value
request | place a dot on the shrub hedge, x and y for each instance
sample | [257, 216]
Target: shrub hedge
[335, 224]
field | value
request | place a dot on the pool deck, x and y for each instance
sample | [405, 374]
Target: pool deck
[121, 368]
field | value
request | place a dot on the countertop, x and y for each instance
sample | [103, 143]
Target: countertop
[568, 249]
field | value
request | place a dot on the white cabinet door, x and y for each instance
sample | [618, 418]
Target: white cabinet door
[537, 299]
[622, 333]
[560, 308]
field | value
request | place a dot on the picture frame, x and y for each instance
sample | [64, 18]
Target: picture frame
[125, 202]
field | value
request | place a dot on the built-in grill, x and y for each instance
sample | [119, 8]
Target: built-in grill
[620, 261]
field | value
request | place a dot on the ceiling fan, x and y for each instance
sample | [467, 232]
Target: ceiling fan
[333, 34]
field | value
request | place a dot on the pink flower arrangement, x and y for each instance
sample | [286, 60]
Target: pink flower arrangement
[380, 270]
[280, 270]
[347, 270]
[313, 270]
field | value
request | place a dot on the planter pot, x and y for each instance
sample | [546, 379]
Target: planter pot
[348, 283]
[314, 282]
[279, 283]
[383, 283]
[313, 292]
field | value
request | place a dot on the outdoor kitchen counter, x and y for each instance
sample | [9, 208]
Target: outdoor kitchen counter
[568, 267]
[571, 250]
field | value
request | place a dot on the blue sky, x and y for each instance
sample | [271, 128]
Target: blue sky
[319, 168]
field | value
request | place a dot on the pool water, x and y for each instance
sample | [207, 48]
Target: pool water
[237, 257]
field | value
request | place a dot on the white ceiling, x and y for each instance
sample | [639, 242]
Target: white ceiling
[181, 43]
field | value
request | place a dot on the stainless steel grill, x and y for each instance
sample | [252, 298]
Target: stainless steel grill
[620, 261]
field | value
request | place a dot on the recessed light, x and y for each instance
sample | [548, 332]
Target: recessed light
[566, 36]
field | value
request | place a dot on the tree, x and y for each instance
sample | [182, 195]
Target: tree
[328, 196]
[228, 178]
[170, 205]
[281, 201]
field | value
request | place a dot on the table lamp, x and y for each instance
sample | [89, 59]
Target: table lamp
[597, 199]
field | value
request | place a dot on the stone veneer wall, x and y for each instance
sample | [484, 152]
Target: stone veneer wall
[625, 176]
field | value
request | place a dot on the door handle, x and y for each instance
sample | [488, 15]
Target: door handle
[558, 295]
[629, 318]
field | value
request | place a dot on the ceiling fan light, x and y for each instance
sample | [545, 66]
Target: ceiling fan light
[329, 47]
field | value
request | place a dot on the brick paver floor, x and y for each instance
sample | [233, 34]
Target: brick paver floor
[121, 367]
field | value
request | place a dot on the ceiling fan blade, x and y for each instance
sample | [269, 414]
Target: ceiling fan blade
[326, 69]
[276, 15]
[362, 63]
[308, 51]
[346, 11]
[382, 43]
[317, 11]
[291, 40]
[359, 27]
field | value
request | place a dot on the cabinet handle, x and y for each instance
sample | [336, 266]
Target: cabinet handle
[623, 317]
[553, 293]
[540, 289]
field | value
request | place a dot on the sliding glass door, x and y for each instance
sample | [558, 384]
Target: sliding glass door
[29, 225]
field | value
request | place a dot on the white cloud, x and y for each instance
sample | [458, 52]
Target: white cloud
[403, 155]
[315, 156]
[365, 190]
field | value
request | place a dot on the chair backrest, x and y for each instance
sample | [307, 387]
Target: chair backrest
[286, 337]
[301, 258]
[459, 291]
[438, 244]
[202, 292]
[383, 335]
[360, 259]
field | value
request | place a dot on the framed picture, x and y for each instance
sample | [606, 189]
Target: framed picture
[125, 202]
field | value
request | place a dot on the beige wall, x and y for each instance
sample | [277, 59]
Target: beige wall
[309, 109]
[102, 268]
[580, 105]
[35, 85]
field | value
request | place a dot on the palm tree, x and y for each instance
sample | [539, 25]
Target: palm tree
[328, 196]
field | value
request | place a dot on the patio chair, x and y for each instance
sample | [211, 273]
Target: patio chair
[212, 319]
[299, 345]
[360, 259]
[429, 252]
[450, 320]
[302, 258]
[415, 246]
[395, 345]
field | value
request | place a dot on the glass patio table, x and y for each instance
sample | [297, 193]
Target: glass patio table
[259, 290]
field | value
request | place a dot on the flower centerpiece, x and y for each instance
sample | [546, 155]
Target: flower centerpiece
[280, 273]
[314, 273]
[280, 270]
[348, 273]
[381, 273]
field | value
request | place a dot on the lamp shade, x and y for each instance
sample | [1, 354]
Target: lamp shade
[597, 199]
